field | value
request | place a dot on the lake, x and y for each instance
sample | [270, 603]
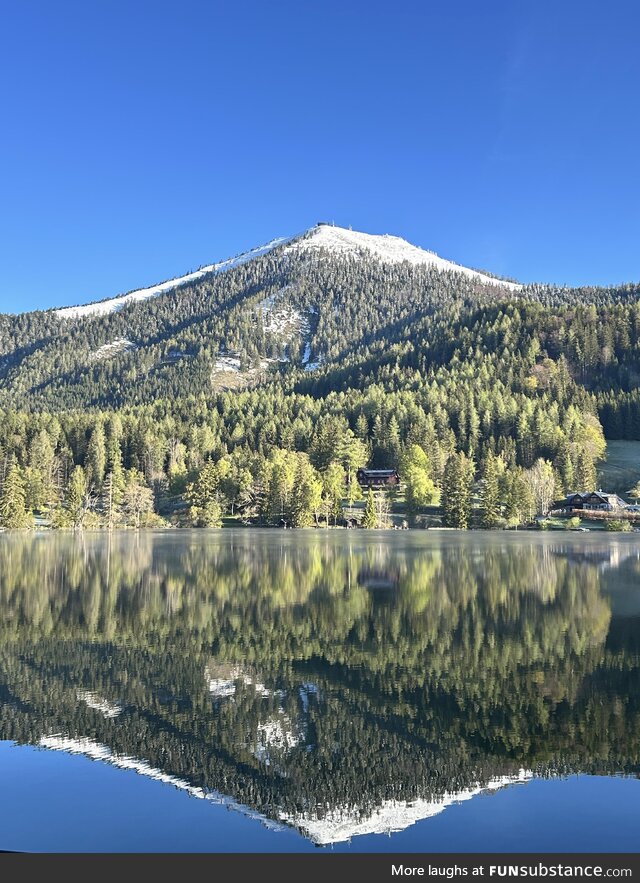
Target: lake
[258, 690]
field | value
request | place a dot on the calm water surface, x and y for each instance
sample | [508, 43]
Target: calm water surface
[289, 691]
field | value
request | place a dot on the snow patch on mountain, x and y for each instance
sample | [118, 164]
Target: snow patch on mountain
[389, 249]
[285, 321]
[111, 349]
[282, 318]
[228, 363]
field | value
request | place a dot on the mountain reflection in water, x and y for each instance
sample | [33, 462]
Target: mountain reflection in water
[340, 684]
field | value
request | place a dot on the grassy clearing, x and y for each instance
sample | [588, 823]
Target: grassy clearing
[621, 470]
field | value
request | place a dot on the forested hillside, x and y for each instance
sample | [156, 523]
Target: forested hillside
[241, 390]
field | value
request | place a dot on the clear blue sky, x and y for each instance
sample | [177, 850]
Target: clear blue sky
[140, 140]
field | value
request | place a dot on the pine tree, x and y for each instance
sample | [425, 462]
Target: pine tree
[77, 500]
[203, 495]
[96, 459]
[41, 480]
[333, 489]
[362, 427]
[490, 493]
[370, 517]
[456, 491]
[114, 451]
[307, 493]
[210, 515]
[13, 512]
[352, 452]
[564, 465]
[585, 472]
[518, 499]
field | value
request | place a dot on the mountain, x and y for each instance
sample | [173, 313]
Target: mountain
[308, 299]
[327, 297]
[305, 343]
[321, 238]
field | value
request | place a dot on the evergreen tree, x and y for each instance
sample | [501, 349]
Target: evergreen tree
[13, 511]
[204, 494]
[585, 472]
[370, 517]
[113, 444]
[77, 501]
[362, 428]
[96, 458]
[333, 490]
[279, 473]
[41, 487]
[352, 453]
[456, 491]
[490, 492]
[518, 499]
[307, 494]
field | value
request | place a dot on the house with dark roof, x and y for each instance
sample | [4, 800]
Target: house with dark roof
[589, 501]
[378, 477]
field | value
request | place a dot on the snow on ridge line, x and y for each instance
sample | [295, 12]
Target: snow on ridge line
[339, 240]
[97, 751]
[104, 307]
[391, 815]
[389, 249]
[335, 827]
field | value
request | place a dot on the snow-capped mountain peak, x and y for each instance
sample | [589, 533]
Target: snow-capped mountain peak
[320, 238]
[387, 248]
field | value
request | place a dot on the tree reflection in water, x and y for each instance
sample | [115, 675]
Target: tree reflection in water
[324, 681]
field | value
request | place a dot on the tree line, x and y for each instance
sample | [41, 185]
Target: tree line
[130, 470]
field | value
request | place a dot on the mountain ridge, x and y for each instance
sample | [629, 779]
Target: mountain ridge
[336, 239]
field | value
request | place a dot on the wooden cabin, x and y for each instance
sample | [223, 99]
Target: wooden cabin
[377, 477]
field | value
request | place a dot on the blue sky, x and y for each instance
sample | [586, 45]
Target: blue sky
[142, 140]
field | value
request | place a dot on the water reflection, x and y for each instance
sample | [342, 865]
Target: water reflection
[342, 686]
